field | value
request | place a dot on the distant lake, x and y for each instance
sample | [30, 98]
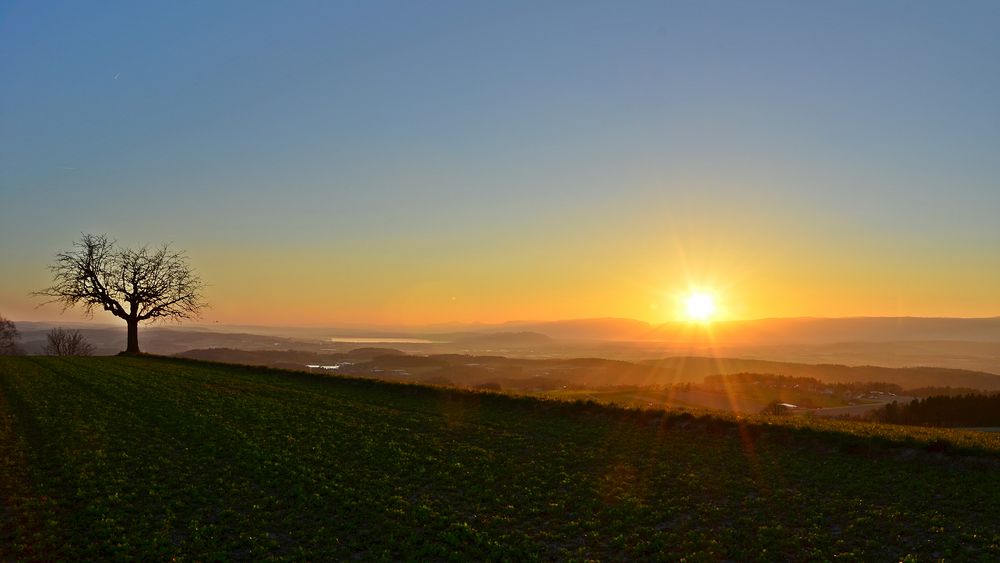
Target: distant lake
[370, 340]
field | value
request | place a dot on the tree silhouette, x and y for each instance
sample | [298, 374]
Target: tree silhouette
[135, 285]
[9, 337]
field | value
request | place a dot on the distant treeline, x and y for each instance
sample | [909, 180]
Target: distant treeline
[680, 369]
[807, 383]
[973, 409]
[942, 391]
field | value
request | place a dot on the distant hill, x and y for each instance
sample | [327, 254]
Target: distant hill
[271, 358]
[802, 330]
[695, 369]
[586, 329]
[969, 344]
[368, 353]
[464, 369]
[828, 331]
[504, 339]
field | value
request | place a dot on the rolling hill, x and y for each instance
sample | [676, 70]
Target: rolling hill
[465, 369]
[158, 458]
[972, 344]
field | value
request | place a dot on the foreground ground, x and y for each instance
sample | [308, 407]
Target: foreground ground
[159, 458]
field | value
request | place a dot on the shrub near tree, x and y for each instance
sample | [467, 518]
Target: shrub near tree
[9, 338]
[62, 342]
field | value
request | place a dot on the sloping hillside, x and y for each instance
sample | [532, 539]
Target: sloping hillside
[909, 377]
[155, 458]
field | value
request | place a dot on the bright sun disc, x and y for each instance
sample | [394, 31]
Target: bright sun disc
[700, 306]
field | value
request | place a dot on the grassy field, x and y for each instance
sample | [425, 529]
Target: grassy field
[155, 458]
[742, 399]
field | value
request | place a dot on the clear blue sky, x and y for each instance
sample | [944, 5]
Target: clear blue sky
[415, 142]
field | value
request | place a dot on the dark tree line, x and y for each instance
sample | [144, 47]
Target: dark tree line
[973, 409]
[939, 391]
[790, 381]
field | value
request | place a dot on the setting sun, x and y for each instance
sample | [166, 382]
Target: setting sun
[469, 280]
[700, 306]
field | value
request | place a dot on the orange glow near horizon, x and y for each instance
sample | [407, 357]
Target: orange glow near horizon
[626, 275]
[534, 174]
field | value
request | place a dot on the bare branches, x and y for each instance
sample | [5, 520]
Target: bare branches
[141, 283]
[81, 276]
[136, 285]
[162, 284]
[61, 342]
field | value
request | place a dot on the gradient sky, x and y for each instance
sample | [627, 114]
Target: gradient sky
[424, 162]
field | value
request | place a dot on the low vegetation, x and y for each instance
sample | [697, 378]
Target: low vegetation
[63, 342]
[156, 458]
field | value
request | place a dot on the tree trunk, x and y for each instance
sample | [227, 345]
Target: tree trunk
[133, 336]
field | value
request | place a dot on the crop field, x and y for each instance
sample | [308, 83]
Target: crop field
[745, 399]
[157, 458]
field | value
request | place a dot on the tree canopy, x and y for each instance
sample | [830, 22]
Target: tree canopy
[136, 285]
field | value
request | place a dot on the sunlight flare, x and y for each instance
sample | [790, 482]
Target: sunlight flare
[700, 306]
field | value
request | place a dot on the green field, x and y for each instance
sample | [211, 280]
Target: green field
[746, 399]
[155, 458]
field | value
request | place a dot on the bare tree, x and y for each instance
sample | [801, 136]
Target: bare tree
[9, 337]
[135, 285]
[63, 342]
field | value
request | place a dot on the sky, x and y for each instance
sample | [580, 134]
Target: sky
[438, 162]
